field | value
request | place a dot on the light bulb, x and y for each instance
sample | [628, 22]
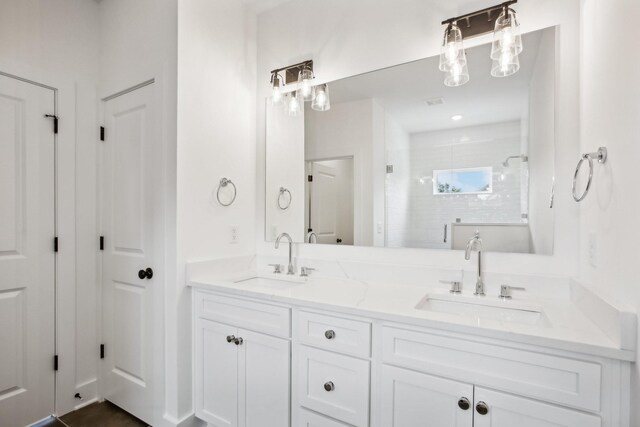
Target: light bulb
[276, 91]
[457, 74]
[452, 49]
[321, 100]
[305, 83]
[293, 105]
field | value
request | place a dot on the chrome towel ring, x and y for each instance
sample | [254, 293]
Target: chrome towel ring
[601, 157]
[282, 205]
[223, 183]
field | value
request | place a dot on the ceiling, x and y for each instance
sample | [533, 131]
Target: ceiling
[403, 90]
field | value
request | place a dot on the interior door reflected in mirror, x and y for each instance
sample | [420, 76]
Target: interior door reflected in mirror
[400, 160]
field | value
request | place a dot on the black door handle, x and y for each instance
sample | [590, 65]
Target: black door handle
[145, 274]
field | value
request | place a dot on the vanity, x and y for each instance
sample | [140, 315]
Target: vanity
[278, 350]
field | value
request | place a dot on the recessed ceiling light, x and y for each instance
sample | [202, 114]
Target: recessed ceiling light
[456, 117]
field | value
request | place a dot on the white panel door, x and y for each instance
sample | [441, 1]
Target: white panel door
[324, 204]
[507, 410]
[216, 373]
[27, 292]
[132, 222]
[410, 399]
[263, 379]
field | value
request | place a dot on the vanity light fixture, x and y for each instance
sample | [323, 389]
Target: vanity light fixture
[301, 75]
[506, 46]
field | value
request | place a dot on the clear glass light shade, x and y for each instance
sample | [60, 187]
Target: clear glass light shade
[305, 84]
[452, 50]
[276, 91]
[321, 101]
[294, 105]
[457, 74]
[506, 35]
[507, 64]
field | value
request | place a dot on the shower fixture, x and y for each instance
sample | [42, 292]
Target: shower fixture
[522, 157]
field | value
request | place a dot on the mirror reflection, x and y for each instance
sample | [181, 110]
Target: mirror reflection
[400, 160]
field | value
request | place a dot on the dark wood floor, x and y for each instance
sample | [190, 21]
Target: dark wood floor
[99, 414]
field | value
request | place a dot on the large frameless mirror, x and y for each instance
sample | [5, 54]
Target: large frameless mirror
[401, 160]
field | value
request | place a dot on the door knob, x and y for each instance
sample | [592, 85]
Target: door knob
[329, 334]
[230, 338]
[482, 408]
[464, 404]
[145, 274]
[328, 386]
[238, 341]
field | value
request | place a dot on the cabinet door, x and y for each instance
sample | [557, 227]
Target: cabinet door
[411, 399]
[216, 374]
[263, 378]
[506, 410]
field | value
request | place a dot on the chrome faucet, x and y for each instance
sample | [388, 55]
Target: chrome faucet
[475, 244]
[285, 235]
[312, 236]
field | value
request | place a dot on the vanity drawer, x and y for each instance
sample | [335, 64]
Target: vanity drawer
[335, 333]
[311, 419]
[334, 384]
[256, 316]
[565, 381]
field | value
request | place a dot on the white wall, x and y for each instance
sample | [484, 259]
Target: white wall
[609, 116]
[540, 141]
[216, 138]
[55, 42]
[348, 38]
[465, 147]
[285, 142]
[398, 184]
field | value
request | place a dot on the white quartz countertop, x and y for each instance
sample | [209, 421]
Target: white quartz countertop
[565, 327]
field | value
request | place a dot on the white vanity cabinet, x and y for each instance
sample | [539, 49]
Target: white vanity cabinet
[242, 375]
[309, 367]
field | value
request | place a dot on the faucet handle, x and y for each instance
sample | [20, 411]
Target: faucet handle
[305, 271]
[505, 290]
[456, 286]
[277, 268]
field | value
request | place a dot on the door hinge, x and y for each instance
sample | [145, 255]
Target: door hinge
[55, 362]
[102, 243]
[101, 133]
[389, 168]
[55, 121]
[101, 351]
[55, 244]
[310, 178]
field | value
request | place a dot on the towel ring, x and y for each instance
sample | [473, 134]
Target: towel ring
[601, 156]
[223, 183]
[280, 204]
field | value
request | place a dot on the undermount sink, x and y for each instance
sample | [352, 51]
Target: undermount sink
[270, 283]
[484, 308]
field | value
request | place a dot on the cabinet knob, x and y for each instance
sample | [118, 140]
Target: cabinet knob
[482, 408]
[464, 403]
[329, 334]
[238, 341]
[230, 338]
[328, 386]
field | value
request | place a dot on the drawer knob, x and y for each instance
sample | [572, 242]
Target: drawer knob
[482, 408]
[464, 403]
[328, 386]
[238, 341]
[329, 334]
[230, 338]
